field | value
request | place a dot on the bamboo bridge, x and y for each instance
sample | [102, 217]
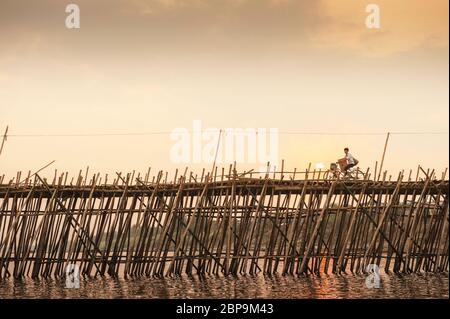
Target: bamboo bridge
[227, 224]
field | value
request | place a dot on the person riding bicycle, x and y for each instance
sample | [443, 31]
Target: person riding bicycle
[351, 161]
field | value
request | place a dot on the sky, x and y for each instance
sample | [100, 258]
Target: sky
[155, 66]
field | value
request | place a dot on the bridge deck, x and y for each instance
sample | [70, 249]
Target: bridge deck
[242, 185]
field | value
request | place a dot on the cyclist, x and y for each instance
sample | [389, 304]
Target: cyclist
[351, 161]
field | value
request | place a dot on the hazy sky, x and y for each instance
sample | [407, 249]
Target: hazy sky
[153, 66]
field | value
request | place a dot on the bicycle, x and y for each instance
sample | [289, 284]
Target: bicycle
[338, 171]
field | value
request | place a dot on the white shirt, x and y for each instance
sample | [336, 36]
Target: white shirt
[350, 159]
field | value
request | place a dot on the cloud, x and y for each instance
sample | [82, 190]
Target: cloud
[145, 29]
[406, 25]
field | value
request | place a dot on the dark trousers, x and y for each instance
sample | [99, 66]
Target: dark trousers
[348, 166]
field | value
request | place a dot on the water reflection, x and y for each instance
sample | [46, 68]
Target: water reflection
[325, 286]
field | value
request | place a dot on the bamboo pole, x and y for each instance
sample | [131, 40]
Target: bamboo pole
[5, 136]
[384, 153]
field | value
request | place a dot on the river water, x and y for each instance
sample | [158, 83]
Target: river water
[326, 286]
